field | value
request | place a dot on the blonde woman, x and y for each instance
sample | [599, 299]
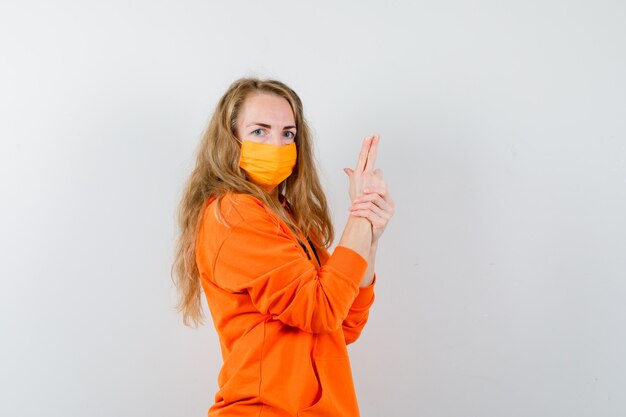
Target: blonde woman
[254, 233]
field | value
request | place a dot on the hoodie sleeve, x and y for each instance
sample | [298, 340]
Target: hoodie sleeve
[260, 256]
[358, 313]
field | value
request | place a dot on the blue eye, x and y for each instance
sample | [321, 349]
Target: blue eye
[290, 133]
[257, 130]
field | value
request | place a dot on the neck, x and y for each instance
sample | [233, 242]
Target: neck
[274, 194]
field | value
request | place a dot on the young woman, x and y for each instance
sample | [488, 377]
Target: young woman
[255, 229]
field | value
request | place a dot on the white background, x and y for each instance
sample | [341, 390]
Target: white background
[503, 139]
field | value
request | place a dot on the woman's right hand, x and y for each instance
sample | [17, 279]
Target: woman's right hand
[368, 190]
[377, 206]
[364, 175]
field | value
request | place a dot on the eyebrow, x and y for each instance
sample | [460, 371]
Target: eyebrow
[268, 126]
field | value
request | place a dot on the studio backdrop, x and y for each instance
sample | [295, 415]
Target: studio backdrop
[501, 278]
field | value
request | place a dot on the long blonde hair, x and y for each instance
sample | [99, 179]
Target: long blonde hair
[217, 172]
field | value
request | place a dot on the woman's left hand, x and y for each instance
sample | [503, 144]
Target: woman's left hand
[376, 205]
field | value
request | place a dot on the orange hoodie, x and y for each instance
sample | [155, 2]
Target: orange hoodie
[282, 319]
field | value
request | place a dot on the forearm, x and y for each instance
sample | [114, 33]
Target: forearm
[368, 277]
[357, 235]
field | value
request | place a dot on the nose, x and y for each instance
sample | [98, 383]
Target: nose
[275, 139]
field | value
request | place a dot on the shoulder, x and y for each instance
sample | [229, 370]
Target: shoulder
[237, 221]
[231, 213]
[234, 209]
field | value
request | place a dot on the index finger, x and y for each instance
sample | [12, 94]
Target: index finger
[365, 149]
[371, 157]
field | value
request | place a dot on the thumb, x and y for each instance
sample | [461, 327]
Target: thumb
[348, 172]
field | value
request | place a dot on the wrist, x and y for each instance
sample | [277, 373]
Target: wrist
[373, 248]
[357, 235]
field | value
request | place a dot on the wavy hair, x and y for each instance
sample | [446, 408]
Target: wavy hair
[217, 172]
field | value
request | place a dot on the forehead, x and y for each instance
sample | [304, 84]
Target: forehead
[266, 108]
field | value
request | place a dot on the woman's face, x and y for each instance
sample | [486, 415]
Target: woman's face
[266, 118]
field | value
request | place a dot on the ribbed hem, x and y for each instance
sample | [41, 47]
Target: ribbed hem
[349, 263]
[365, 298]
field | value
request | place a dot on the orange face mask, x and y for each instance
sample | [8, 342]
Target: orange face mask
[267, 165]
